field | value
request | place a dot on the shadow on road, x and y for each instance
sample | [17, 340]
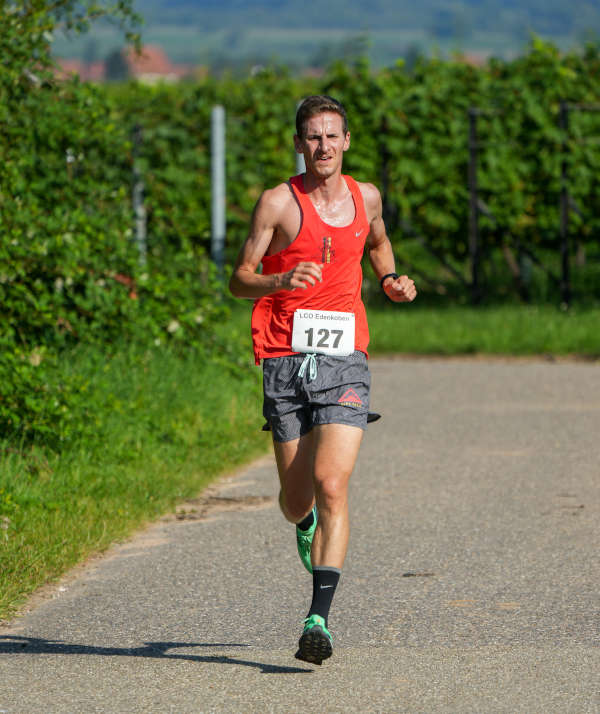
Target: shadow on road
[15, 644]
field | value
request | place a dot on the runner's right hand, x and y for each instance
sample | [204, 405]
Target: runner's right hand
[303, 275]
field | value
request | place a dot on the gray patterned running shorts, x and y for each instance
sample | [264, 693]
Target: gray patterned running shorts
[296, 400]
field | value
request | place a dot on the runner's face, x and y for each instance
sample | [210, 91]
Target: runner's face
[324, 144]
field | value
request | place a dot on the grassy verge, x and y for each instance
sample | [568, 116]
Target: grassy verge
[457, 329]
[504, 329]
[159, 428]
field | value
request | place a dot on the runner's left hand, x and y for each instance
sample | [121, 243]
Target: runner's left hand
[401, 289]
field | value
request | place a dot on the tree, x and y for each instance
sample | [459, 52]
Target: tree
[42, 120]
[28, 28]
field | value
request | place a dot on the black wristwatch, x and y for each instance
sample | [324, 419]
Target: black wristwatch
[385, 277]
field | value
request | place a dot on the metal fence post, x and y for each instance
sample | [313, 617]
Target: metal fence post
[474, 247]
[300, 163]
[217, 145]
[565, 279]
[137, 198]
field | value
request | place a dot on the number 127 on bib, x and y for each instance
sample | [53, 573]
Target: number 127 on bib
[323, 332]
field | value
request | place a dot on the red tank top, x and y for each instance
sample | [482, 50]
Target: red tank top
[340, 251]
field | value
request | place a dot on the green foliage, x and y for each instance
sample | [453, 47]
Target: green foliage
[174, 154]
[428, 128]
[361, 93]
[70, 271]
[260, 151]
[28, 29]
[173, 157]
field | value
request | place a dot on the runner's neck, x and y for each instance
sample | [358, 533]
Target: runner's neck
[331, 198]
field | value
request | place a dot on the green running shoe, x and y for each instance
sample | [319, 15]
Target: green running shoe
[304, 541]
[315, 643]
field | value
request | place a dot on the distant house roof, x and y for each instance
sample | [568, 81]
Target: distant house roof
[475, 59]
[87, 72]
[151, 65]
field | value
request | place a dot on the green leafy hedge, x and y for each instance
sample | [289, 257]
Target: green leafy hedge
[410, 134]
[70, 271]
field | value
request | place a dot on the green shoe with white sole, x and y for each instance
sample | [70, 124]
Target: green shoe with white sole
[304, 541]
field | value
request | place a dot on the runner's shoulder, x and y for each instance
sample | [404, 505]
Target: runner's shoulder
[276, 201]
[371, 197]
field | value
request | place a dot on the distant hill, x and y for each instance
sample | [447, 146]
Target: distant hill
[438, 17]
[241, 33]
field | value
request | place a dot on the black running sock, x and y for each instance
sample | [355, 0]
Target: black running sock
[325, 581]
[305, 524]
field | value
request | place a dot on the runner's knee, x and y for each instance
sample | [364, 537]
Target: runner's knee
[295, 508]
[331, 491]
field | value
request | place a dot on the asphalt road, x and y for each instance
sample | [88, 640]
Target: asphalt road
[471, 583]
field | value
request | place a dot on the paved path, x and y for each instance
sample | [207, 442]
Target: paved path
[471, 583]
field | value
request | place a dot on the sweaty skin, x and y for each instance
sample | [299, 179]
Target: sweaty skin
[276, 219]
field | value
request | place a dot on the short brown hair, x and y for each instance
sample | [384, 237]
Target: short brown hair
[318, 104]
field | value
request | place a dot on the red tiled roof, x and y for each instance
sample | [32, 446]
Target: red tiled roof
[93, 71]
[153, 60]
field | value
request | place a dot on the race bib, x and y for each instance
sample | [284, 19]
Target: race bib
[324, 332]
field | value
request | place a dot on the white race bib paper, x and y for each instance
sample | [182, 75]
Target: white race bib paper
[324, 332]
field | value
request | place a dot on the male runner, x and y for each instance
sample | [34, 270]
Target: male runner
[309, 327]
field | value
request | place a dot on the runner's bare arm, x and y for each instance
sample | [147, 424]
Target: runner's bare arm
[266, 219]
[381, 254]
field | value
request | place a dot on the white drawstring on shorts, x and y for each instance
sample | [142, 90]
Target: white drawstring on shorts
[311, 360]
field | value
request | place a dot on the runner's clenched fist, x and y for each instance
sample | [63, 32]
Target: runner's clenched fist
[301, 276]
[401, 289]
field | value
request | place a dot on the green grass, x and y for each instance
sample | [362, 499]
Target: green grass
[423, 328]
[502, 330]
[158, 429]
